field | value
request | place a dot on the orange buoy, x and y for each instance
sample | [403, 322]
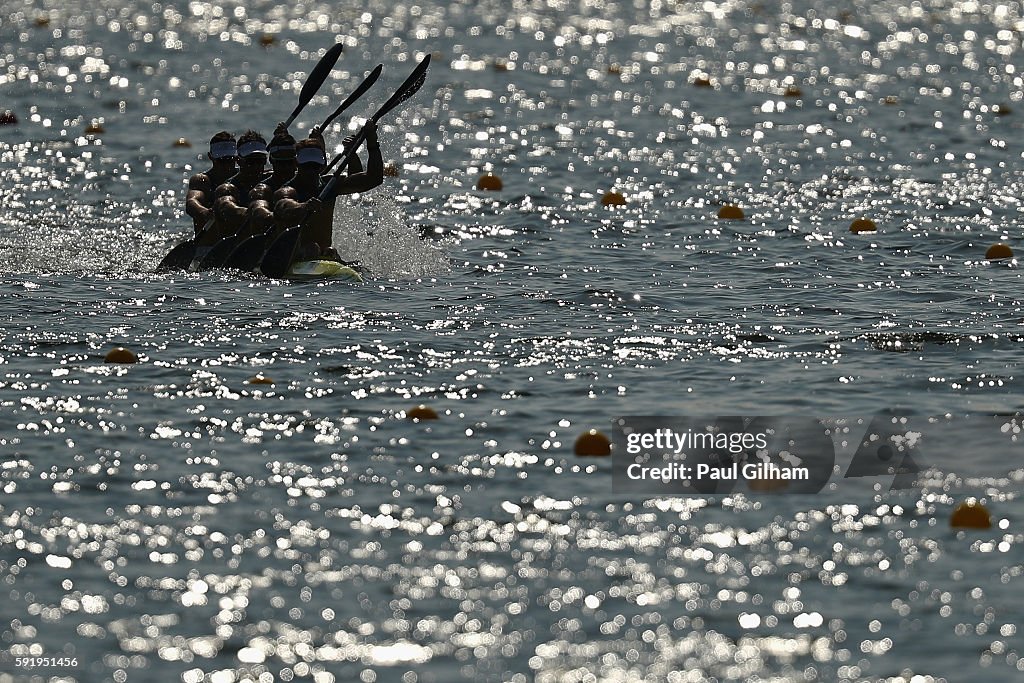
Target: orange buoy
[391, 171]
[998, 251]
[182, 142]
[8, 118]
[259, 378]
[731, 212]
[613, 198]
[421, 412]
[267, 39]
[489, 181]
[593, 442]
[863, 225]
[95, 128]
[120, 355]
[970, 514]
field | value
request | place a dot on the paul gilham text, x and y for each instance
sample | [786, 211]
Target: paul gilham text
[751, 471]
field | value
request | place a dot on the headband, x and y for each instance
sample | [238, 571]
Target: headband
[223, 150]
[311, 155]
[252, 147]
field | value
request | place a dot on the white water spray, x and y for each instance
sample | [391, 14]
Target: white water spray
[372, 230]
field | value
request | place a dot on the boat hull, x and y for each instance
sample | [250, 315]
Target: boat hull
[320, 270]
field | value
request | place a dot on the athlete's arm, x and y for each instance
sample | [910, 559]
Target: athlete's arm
[198, 191]
[374, 173]
[228, 210]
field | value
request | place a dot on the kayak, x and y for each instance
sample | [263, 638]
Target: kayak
[318, 270]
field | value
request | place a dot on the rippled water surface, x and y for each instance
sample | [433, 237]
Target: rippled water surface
[175, 520]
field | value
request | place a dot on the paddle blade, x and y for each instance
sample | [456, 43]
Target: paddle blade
[316, 79]
[320, 72]
[411, 86]
[178, 258]
[356, 94]
[248, 254]
[216, 257]
[278, 258]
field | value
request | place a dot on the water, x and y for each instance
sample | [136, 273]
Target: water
[172, 520]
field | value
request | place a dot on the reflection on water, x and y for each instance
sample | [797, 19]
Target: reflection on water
[175, 520]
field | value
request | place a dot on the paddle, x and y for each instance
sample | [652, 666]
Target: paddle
[281, 254]
[219, 252]
[182, 255]
[339, 157]
[247, 255]
[316, 78]
[356, 94]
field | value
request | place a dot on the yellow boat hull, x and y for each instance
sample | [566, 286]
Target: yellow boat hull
[320, 270]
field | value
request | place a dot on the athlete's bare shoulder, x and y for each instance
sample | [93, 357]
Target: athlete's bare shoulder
[286, 192]
[227, 189]
[200, 182]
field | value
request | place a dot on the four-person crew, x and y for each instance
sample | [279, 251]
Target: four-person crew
[251, 202]
[231, 217]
